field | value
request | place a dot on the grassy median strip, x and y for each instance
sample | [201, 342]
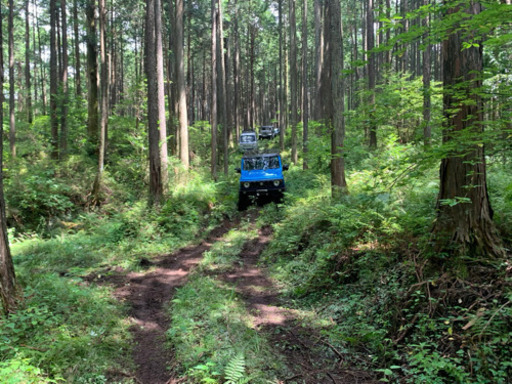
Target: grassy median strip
[211, 330]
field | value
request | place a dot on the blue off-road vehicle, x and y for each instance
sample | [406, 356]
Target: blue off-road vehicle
[261, 178]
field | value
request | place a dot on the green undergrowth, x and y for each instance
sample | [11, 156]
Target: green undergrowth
[365, 266]
[211, 331]
[68, 328]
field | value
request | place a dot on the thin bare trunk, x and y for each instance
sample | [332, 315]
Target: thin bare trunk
[305, 108]
[12, 120]
[104, 102]
[7, 275]
[213, 111]
[28, 82]
[293, 80]
[222, 91]
[78, 78]
[182, 91]
[338, 182]
[427, 130]
[155, 174]
[54, 123]
[64, 85]
[92, 71]
[162, 125]
[371, 71]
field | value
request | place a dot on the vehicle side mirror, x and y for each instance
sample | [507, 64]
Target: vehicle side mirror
[238, 170]
[285, 167]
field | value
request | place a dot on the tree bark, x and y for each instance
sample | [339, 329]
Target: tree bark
[7, 275]
[92, 71]
[213, 108]
[319, 59]
[283, 108]
[371, 72]
[155, 168]
[221, 67]
[182, 91]
[54, 123]
[162, 125]
[78, 78]
[12, 110]
[42, 71]
[64, 99]
[236, 73]
[293, 80]
[28, 82]
[464, 215]
[338, 182]
[305, 99]
[427, 130]
[104, 85]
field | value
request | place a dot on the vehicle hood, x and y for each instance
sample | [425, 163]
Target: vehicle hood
[261, 175]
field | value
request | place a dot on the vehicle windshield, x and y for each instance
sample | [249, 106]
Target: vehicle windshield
[261, 163]
[247, 138]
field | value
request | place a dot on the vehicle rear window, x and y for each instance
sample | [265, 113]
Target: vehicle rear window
[247, 138]
[261, 163]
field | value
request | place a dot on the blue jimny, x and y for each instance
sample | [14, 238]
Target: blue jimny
[261, 177]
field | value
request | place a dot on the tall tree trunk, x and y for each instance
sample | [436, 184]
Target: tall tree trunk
[221, 67]
[293, 80]
[305, 99]
[162, 125]
[155, 169]
[104, 85]
[182, 90]
[319, 59]
[64, 85]
[43, 75]
[371, 72]
[427, 130]
[54, 123]
[35, 63]
[173, 98]
[12, 111]
[283, 108]
[213, 108]
[464, 215]
[325, 89]
[78, 78]
[92, 71]
[7, 275]
[338, 183]
[236, 73]
[28, 82]
[252, 92]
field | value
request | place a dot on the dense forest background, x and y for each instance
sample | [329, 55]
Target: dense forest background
[120, 122]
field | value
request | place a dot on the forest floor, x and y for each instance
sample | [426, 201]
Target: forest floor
[148, 293]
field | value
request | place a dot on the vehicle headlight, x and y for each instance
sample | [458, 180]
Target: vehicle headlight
[277, 183]
[247, 184]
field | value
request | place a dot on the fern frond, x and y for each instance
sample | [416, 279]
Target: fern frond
[235, 369]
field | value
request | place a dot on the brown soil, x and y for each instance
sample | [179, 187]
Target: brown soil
[310, 360]
[148, 293]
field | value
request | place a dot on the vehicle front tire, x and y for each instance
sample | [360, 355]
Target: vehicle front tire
[243, 202]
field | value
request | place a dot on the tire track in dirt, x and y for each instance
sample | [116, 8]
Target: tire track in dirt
[148, 294]
[310, 359]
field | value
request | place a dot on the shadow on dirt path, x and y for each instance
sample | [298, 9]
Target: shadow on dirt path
[311, 359]
[148, 294]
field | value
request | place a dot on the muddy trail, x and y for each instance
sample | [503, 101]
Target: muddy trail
[309, 359]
